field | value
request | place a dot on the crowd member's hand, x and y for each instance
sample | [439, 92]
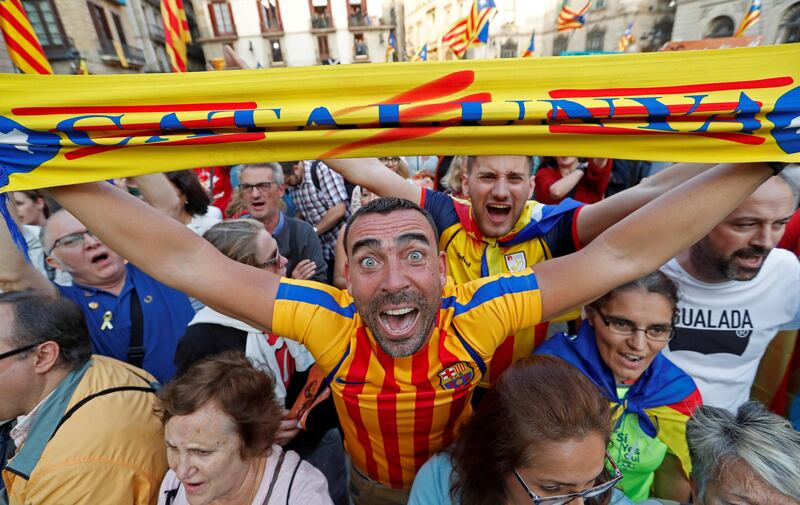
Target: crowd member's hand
[304, 270]
[286, 431]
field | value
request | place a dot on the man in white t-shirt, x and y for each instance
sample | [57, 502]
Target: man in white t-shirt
[736, 291]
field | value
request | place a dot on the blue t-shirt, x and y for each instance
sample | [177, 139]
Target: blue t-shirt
[432, 485]
[165, 314]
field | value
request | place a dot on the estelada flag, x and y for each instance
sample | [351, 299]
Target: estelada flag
[726, 105]
[21, 41]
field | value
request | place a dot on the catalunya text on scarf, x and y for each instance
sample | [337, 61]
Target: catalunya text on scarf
[704, 106]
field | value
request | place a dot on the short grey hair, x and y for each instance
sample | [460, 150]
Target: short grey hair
[763, 440]
[791, 176]
[277, 171]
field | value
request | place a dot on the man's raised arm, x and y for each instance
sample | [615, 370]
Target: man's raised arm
[373, 175]
[16, 273]
[648, 238]
[170, 252]
[596, 218]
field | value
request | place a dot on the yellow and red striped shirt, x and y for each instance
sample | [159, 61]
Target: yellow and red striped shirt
[540, 233]
[397, 412]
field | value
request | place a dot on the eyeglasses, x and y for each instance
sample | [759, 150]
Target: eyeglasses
[19, 350]
[658, 332]
[262, 187]
[272, 261]
[391, 159]
[71, 239]
[566, 498]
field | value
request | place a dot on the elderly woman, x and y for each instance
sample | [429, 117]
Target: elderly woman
[619, 348]
[220, 420]
[210, 333]
[539, 437]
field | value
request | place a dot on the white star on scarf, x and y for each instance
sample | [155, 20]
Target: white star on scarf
[16, 139]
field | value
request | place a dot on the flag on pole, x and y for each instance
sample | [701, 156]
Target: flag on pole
[627, 38]
[569, 19]
[422, 54]
[391, 47]
[478, 20]
[750, 18]
[176, 33]
[529, 52]
[457, 38]
[23, 46]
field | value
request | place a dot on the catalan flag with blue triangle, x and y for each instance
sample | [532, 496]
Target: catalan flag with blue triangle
[627, 38]
[21, 41]
[663, 398]
[422, 54]
[529, 52]
[391, 46]
[750, 18]
[478, 20]
[569, 19]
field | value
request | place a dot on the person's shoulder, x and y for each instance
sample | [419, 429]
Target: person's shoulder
[782, 258]
[433, 481]
[298, 225]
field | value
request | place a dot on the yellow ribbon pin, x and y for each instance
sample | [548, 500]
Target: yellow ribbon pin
[107, 321]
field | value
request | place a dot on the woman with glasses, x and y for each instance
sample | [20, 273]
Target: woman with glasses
[211, 333]
[539, 437]
[619, 348]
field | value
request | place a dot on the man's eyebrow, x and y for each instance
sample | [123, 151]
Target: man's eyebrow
[365, 243]
[406, 238]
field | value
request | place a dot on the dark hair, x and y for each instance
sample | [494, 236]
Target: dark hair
[540, 398]
[40, 318]
[245, 394]
[387, 205]
[35, 194]
[197, 200]
[471, 162]
[654, 282]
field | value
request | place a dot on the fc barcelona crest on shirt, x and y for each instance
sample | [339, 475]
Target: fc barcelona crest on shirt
[456, 376]
[516, 262]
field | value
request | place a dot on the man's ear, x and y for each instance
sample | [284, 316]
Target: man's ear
[465, 183]
[55, 263]
[443, 267]
[533, 185]
[47, 355]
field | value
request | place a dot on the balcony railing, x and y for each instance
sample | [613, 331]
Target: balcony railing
[358, 19]
[134, 55]
[321, 22]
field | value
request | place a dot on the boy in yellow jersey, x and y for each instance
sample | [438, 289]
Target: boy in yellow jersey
[403, 346]
[500, 230]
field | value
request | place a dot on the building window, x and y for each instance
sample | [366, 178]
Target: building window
[270, 13]
[321, 14]
[357, 13]
[276, 51]
[560, 45]
[322, 46]
[46, 23]
[362, 51]
[103, 29]
[118, 26]
[599, 4]
[789, 29]
[508, 49]
[594, 41]
[222, 19]
[720, 26]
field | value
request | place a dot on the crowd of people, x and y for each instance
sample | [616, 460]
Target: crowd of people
[504, 330]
